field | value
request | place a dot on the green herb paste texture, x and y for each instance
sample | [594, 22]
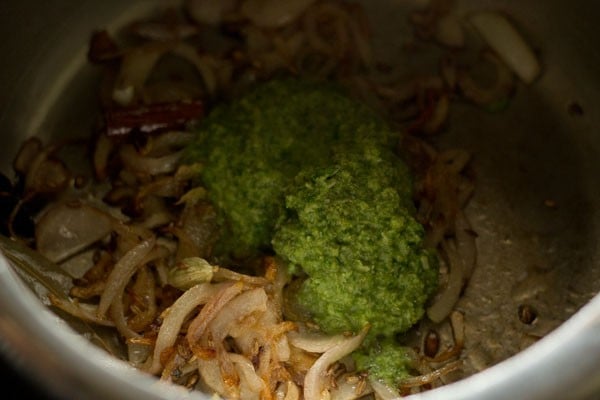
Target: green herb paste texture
[301, 169]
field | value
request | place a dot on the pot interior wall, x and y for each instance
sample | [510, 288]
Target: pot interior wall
[536, 164]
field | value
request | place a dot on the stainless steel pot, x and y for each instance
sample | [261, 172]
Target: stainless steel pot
[544, 150]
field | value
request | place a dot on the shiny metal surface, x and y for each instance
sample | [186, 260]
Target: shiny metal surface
[529, 253]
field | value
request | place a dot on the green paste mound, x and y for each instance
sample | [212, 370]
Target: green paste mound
[301, 169]
[350, 228]
[253, 148]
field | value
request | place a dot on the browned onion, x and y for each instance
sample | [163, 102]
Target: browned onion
[210, 372]
[211, 310]
[221, 273]
[458, 329]
[144, 292]
[432, 376]
[383, 391]
[499, 90]
[314, 342]
[251, 301]
[136, 66]
[250, 378]
[508, 43]
[46, 174]
[287, 391]
[85, 312]
[148, 165]
[445, 301]
[351, 386]
[199, 225]
[122, 272]
[117, 314]
[314, 382]
[237, 310]
[102, 150]
[174, 317]
[67, 228]
[117, 310]
[165, 143]
[27, 154]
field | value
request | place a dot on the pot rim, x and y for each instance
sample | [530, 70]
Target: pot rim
[85, 371]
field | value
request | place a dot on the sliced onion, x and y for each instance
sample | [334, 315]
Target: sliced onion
[136, 66]
[117, 310]
[174, 363]
[432, 376]
[27, 153]
[67, 228]
[84, 312]
[138, 352]
[46, 174]
[144, 292]
[273, 13]
[123, 95]
[117, 314]
[157, 219]
[457, 322]
[446, 300]
[498, 92]
[204, 63]
[128, 235]
[465, 243]
[383, 391]
[174, 317]
[79, 264]
[350, 386]
[501, 35]
[266, 363]
[210, 371]
[457, 319]
[186, 247]
[247, 371]
[199, 223]
[122, 273]
[314, 382]
[102, 151]
[287, 391]
[211, 310]
[167, 142]
[293, 391]
[314, 342]
[149, 165]
[254, 300]
[281, 349]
